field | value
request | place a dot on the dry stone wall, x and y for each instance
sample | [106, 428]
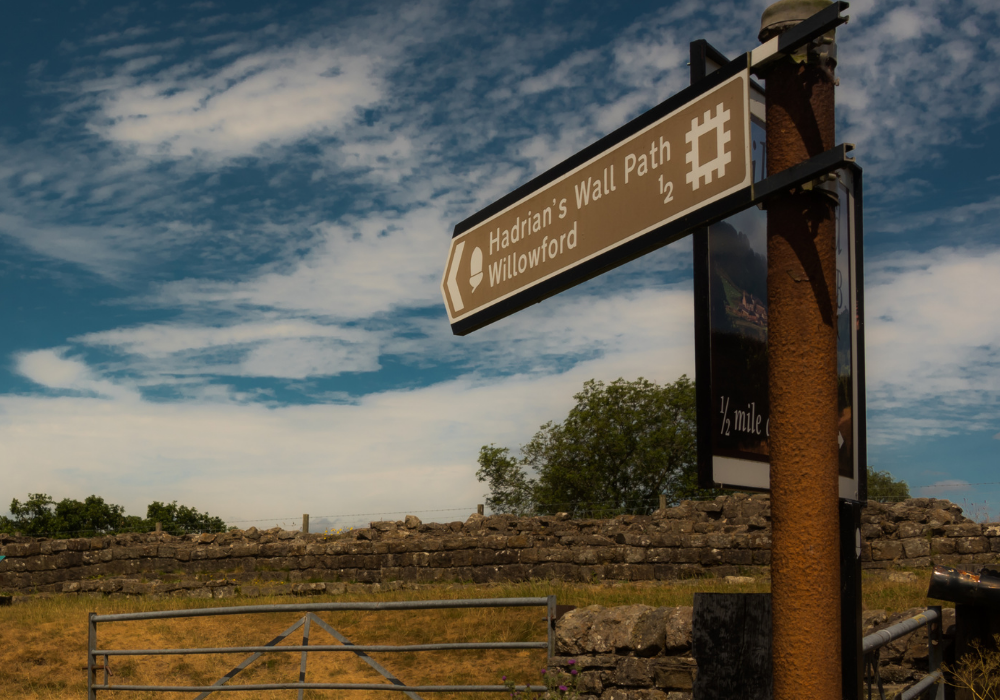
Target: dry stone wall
[727, 536]
[637, 652]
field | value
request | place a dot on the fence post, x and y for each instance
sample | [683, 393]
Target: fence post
[480, 509]
[935, 652]
[551, 620]
[663, 501]
[305, 523]
[91, 647]
[159, 527]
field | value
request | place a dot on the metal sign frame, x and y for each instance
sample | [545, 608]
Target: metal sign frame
[626, 250]
[720, 469]
[638, 245]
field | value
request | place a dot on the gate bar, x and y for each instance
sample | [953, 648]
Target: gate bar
[320, 607]
[354, 648]
[330, 686]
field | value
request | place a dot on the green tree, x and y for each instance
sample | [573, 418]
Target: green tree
[882, 488]
[36, 516]
[180, 519]
[511, 491]
[40, 515]
[622, 445]
[90, 517]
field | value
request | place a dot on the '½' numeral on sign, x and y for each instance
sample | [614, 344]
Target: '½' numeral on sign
[668, 189]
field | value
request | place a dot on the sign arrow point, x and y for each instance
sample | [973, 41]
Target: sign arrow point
[453, 291]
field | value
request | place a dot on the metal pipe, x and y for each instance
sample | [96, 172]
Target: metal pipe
[353, 648]
[935, 650]
[305, 653]
[330, 686]
[320, 607]
[960, 586]
[550, 627]
[802, 374]
[91, 660]
[921, 687]
[900, 629]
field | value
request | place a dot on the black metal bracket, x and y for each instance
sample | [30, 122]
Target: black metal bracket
[816, 26]
[804, 172]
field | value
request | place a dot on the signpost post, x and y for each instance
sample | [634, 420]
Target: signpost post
[802, 368]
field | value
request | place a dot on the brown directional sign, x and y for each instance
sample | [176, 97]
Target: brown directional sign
[527, 246]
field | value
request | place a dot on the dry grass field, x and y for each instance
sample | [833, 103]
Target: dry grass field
[43, 642]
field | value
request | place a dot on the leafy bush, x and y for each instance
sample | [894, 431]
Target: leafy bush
[882, 488]
[40, 515]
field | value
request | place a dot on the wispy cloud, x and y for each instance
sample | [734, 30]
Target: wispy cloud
[932, 355]
[271, 97]
[54, 370]
[912, 75]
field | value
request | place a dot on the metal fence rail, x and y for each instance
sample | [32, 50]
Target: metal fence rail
[310, 610]
[875, 641]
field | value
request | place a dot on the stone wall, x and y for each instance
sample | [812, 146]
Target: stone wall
[637, 652]
[727, 536]
[628, 652]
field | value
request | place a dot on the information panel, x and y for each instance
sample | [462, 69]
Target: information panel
[731, 344]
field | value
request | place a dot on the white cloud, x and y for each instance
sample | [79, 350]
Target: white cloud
[911, 82]
[271, 97]
[106, 250]
[357, 270]
[53, 370]
[931, 345]
[283, 348]
[245, 461]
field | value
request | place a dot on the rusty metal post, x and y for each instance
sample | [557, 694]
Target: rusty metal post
[802, 352]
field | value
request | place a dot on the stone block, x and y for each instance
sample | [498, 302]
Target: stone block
[963, 530]
[971, 545]
[886, 550]
[687, 556]
[675, 673]
[942, 545]
[693, 540]
[648, 634]
[633, 672]
[633, 694]
[916, 547]
[870, 531]
[612, 629]
[133, 587]
[710, 557]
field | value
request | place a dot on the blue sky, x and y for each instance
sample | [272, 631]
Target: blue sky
[223, 227]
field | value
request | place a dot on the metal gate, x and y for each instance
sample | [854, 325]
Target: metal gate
[310, 618]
